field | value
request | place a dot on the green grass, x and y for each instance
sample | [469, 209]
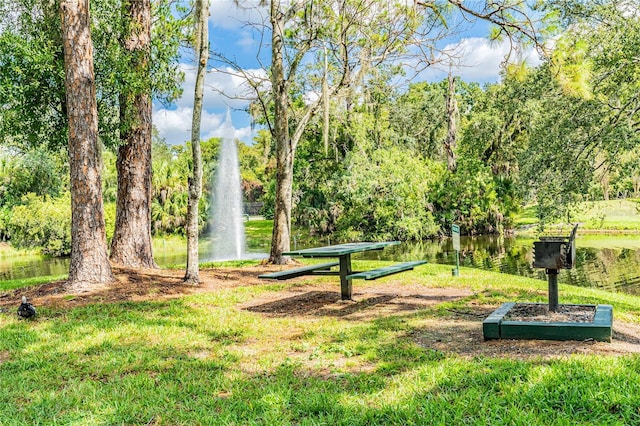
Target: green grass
[613, 215]
[206, 359]
[229, 264]
[527, 216]
[258, 228]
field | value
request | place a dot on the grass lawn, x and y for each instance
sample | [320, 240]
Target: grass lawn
[408, 351]
[258, 228]
[612, 215]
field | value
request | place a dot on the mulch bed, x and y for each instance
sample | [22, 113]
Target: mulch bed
[534, 312]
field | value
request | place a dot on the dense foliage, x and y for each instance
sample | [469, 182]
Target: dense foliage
[563, 132]
[45, 223]
[32, 75]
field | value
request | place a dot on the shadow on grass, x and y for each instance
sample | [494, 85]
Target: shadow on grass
[328, 303]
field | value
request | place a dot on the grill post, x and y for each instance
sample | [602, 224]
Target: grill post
[552, 277]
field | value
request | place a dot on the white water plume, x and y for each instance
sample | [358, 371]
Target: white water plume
[228, 226]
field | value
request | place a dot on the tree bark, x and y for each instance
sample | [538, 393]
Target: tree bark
[452, 113]
[131, 244]
[89, 266]
[606, 187]
[325, 103]
[280, 240]
[192, 274]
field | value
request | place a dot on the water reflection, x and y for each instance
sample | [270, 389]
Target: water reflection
[611, 269]
[19, 267]
[615, 269]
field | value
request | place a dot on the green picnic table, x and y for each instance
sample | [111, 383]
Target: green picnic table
[343, 252]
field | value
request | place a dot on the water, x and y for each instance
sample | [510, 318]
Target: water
[166, 253]
[228, 227]
[28, 266]
[610, 262]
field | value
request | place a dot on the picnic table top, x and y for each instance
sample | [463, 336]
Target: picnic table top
[341, 249]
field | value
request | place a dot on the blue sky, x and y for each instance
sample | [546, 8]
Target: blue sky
[230, 35]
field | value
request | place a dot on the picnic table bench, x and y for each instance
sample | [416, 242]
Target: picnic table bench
[343, 252]
[374, 274]
[298, 272]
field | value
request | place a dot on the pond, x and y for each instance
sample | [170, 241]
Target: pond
[610, 262]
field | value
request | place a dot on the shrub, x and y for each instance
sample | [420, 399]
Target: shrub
[386, 196]
[45, 223]
[36, 172]
[5, 215]
[42, 223]
[475, 199]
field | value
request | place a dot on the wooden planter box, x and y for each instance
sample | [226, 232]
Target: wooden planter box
[494, 327]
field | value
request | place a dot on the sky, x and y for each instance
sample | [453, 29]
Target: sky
[230, 35]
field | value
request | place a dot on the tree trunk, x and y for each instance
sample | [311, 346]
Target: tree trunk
[325, 103]
[192, 274]
[605, 181]
[89, 266]
[131, 244]
[280, 241]
[281, 237]
[452, 113]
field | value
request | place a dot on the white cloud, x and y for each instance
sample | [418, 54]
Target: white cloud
[227, 15]
[175, 125]
[244, 133]
[246, 41]
[477, 60]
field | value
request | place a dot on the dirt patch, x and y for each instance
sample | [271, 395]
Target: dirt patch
[535, 312]
[460, 333]
[133, 285]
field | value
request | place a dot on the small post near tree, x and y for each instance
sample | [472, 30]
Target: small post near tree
[455, 235]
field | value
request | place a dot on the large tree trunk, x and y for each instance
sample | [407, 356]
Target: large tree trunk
[280, 240]
[131, 244]
[89, 265]
[192, 274]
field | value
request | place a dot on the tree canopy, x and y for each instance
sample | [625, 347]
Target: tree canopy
[343, 148]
